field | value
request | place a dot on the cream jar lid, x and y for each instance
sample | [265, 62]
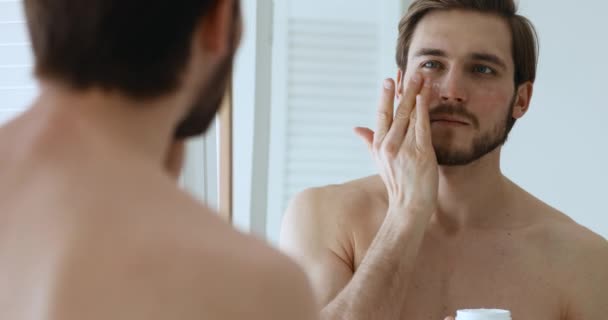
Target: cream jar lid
[483, 314]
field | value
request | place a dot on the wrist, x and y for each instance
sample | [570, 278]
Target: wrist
[411, 208]
[410, 212]
[402, 222]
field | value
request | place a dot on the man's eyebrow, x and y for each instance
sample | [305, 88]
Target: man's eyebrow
[479, 56]
[488, 57]
[430, 52]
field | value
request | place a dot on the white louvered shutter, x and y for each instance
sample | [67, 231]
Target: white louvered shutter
[17, 85]
[330, 57]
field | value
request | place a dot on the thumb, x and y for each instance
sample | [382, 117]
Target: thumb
[366, 134]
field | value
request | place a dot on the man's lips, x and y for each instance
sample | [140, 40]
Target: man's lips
[449, 120]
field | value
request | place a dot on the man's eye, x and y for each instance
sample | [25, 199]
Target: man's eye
[483, 70]
[431, 65]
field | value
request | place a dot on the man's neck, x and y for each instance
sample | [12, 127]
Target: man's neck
[143, 129]
[476, 195]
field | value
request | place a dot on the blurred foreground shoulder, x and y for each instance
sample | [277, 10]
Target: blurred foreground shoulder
[260, 282]
[188, 266]
[287, 293]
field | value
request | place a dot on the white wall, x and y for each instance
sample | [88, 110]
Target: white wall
[559, 150]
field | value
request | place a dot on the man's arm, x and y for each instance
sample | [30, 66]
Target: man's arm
[378, 288]
[311, 235]
[403, 151]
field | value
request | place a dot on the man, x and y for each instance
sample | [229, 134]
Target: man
[93, 225]
[440, 228]
[175, 158]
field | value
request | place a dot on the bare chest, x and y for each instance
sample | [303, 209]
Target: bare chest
[440, 286]
[481, 272]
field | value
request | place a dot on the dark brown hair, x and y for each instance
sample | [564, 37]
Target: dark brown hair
[139, 47]
[524, 37]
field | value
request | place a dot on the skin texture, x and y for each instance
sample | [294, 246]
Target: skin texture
[174, 162]
[95, 227]
[421, 240]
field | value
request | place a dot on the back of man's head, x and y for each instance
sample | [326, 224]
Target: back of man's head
[137, 47]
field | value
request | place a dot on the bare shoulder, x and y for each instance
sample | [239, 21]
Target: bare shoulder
[326, 216]
[556, 231]
[579, 258]
[579, 243]
[569, 237]
[180, 260]
[279, 289]
[267, 283]
[566, 238]
[337, 204]
[239, 275]
[584, 257]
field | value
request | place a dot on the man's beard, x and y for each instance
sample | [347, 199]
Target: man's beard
[481, 145]
[209, 100]
[203, 111]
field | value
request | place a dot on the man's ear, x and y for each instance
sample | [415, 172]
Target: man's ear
[522, 100]
[214, 29]
[399, 89]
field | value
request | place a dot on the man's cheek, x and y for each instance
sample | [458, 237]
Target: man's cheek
[492, 99]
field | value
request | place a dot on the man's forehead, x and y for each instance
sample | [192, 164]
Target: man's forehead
[462, 32]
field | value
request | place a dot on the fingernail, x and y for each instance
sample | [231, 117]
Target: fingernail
[388, 84]
[416, 78]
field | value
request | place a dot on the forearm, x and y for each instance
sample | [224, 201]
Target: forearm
[379, 286]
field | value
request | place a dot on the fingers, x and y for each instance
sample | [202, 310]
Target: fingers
[409, 96]
[385, 110]
[449, 318]
[366, 134]
[410, 135]
[423, 123]
[401, 120]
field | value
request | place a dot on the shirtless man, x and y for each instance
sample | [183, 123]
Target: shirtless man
[440, 228]
[93, 225]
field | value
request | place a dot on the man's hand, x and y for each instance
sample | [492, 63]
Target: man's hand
[405, 157]
[402, 147]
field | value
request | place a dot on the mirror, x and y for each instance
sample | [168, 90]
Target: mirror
[325, 68]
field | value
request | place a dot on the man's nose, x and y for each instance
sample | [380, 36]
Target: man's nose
[452, 87]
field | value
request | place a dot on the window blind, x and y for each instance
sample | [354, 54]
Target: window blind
[17, 85]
